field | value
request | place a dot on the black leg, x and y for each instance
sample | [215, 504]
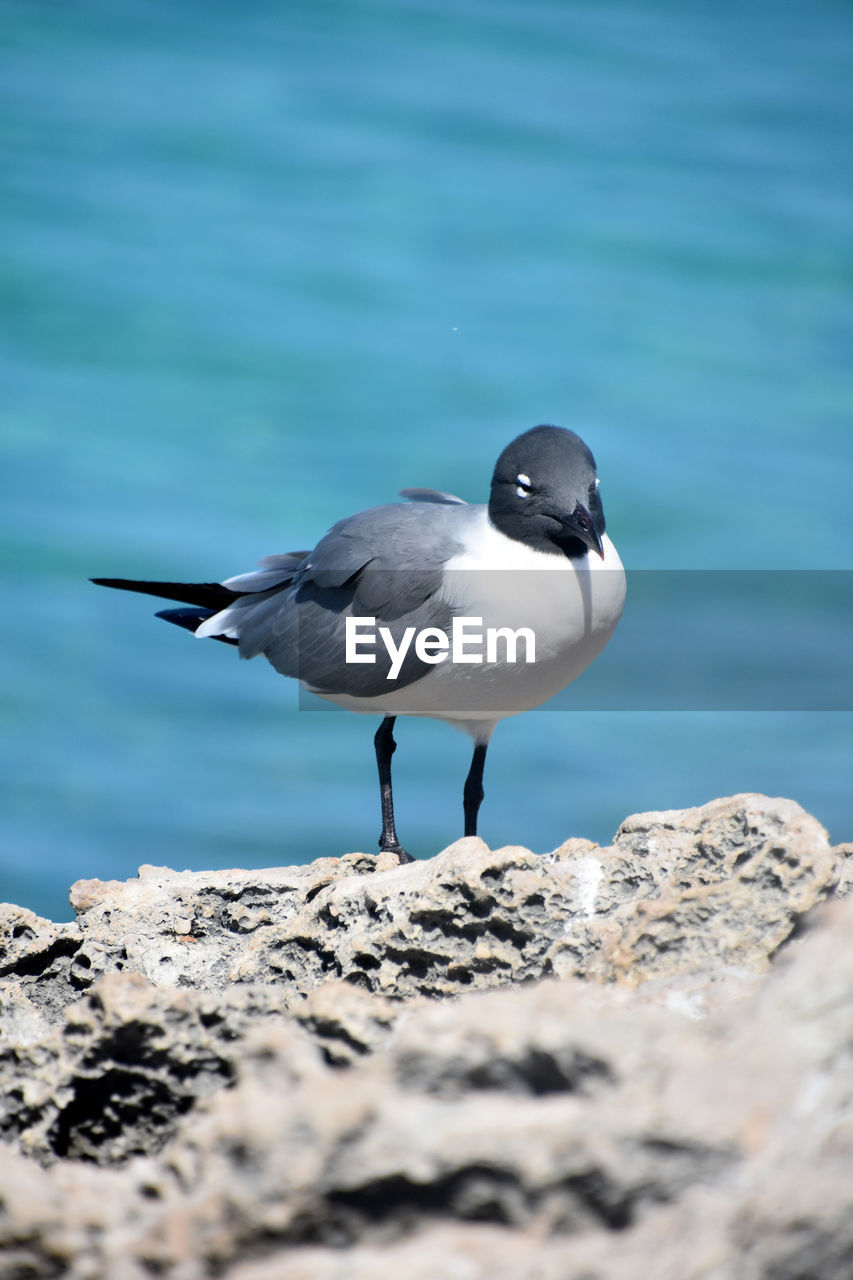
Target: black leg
[472, 795]
[385, 748]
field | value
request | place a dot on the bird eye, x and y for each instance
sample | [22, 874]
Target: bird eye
[593, 488]
[523, 486]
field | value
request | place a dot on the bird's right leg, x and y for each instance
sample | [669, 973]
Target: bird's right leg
[472, 796]
[385, 748]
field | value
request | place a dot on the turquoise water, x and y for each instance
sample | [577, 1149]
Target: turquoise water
[265, 266]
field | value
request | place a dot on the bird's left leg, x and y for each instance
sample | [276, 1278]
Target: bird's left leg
[472, 795]
[385, 748]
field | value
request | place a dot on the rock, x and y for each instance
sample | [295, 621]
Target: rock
[126, 1062]
[600, 1063]
[35, 964]
[470, 918]
[844, 861]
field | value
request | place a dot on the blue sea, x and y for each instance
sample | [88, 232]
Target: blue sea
[265, 265]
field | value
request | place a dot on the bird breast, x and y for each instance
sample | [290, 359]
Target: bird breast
[570, 606]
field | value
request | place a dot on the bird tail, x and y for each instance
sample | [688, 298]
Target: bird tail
[207, 597]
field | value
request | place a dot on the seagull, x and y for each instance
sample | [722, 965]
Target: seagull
[386, 614]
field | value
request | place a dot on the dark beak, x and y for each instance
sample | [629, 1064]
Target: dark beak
[582, 526]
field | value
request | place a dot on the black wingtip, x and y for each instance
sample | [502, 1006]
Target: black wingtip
[207, 595]
[191, 620]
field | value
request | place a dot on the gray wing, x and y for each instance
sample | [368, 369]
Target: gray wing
[385, 563]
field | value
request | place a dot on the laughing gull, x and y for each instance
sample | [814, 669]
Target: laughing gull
[385, 615]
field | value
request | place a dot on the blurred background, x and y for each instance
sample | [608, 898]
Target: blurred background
[264, 265]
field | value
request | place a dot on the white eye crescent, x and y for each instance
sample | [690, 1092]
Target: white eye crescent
[523, 485]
